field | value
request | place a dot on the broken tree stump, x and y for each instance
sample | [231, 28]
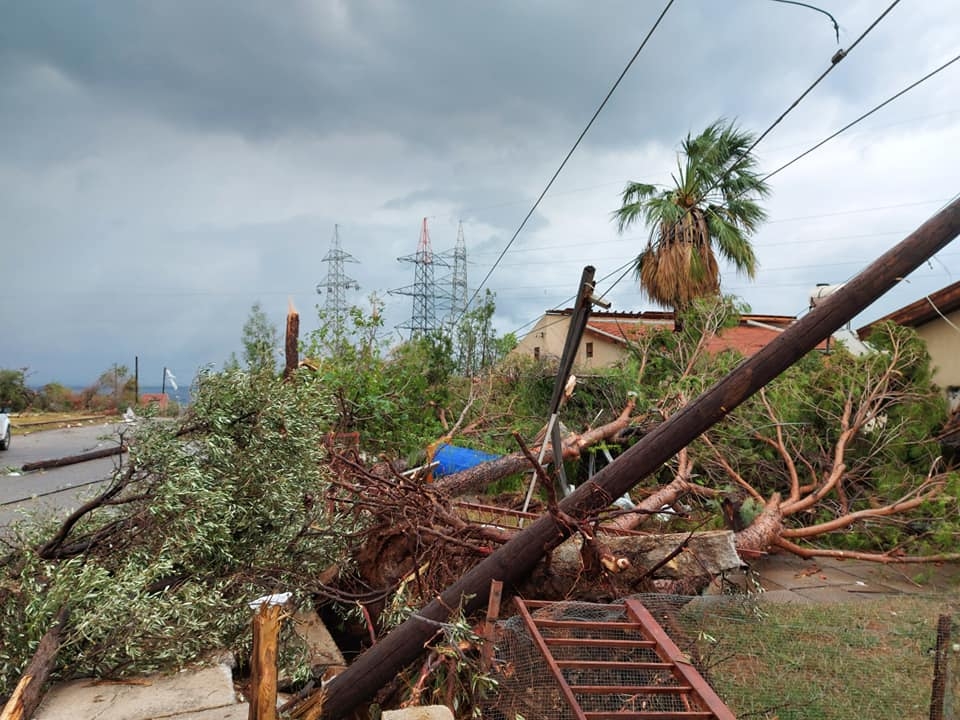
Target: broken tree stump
[28, 693]
[292, 342]
[263, 662]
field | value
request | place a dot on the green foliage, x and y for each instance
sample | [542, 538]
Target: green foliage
[54, 397]
[395, 398]
[366, 388]
[260, 341]
[879, 411]
[14, 393]
[215, 510]
[476, 343]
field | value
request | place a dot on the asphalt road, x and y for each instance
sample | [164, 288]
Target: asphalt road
[60, 489]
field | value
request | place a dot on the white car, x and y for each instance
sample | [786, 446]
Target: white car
[4, 430]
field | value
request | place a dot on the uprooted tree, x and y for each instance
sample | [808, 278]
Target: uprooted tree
[837, 456]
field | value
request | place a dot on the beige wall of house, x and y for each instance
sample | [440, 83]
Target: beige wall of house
[943, 342]
[545, 342]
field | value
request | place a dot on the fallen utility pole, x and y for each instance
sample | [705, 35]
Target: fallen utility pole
[74, 459]
[514, 560]
[575, 328]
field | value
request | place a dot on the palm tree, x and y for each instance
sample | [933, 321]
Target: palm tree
[713, 203]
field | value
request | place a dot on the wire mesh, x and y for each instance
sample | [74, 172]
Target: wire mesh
[770, 661]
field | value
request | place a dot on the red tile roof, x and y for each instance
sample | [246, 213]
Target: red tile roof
[753, 332]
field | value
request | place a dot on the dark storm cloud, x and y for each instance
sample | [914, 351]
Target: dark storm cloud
[438, 72]
[163, 165]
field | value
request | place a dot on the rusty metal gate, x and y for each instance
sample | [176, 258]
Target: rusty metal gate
[618, 663]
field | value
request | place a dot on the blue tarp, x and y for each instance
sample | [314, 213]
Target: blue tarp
[452, 459]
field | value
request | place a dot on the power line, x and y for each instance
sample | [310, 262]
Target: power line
[863, 117]
[746, 154]
[857, 211]
[836, 27]
[576, 144]
[834, 61]
[573, 297]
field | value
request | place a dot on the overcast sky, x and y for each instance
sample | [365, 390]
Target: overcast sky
[164, 165]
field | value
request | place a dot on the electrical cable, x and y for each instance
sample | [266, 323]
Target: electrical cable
[834, 61]
[563, 164]
[836, 27]
[626, 265]
[862, 117]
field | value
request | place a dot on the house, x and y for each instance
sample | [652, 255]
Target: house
[608, 335]
[936, 318]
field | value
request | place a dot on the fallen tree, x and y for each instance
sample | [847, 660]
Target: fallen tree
[476, 478]
[515, 559]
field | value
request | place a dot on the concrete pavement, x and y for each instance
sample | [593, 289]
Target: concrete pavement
[786, 578]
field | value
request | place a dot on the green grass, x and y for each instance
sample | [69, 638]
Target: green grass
[871, 659]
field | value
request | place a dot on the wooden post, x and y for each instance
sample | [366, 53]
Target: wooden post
[941, 672]
[489, 627]
[575, 328]
[263, 662]
[73, 459]
[516, 559]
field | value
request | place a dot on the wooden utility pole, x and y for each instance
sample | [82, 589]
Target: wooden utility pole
[578, 323]
[516, 559]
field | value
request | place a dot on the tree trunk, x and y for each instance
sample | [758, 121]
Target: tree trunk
[563, 573]
[263, 662]
[513, 561]
[28, 693]
[291, 346]
[765, 529]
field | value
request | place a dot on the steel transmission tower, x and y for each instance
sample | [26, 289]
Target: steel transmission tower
[423, 319]
[456, 281]
[335, 284]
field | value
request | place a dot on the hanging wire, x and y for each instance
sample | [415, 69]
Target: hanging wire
[563, 164]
